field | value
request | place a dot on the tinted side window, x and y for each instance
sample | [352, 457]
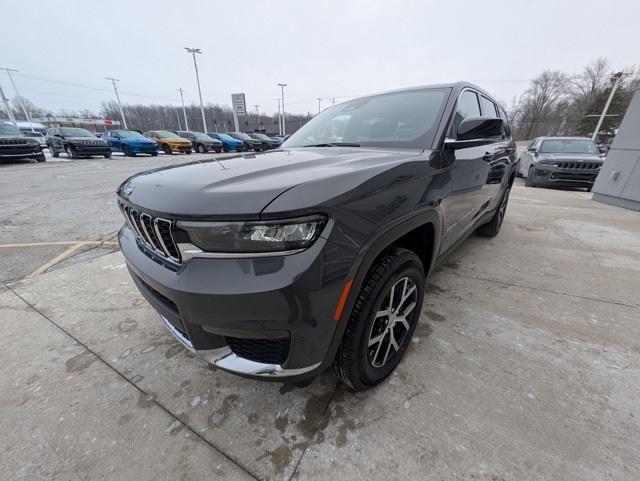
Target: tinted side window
[467, 106]
[488, 107]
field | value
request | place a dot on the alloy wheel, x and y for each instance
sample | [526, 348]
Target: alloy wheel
[391, 324]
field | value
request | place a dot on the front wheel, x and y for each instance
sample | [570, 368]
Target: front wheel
[491, 228]
[201, 149]
[531, 178]
[127, 151]
[41, 157]
[382, 321]
[71, 153]
[167, 150]
[54, 152]
[108, 155]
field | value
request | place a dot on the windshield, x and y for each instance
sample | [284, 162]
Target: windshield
[569, 146]
[241, 135]
[76, 133]
[261, 137]
[167, 134]
[201, 136]
[33, 134]
[225, 137]
[403, 119]
[6, 129]
[129, 134]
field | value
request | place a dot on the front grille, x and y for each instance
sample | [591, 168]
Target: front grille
[13, 142]
[267, 351]
[153, 232]
[578, 165]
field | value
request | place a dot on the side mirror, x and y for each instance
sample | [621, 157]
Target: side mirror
[477, 131]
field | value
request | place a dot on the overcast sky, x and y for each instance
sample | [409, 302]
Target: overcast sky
[321, 49]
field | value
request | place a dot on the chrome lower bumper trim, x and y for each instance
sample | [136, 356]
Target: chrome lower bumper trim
[227, 360]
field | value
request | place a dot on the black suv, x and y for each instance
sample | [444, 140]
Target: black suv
[249, 142]
[201, 143]
[267, 142]
[16, 146]
[316, 254]
[76, 143]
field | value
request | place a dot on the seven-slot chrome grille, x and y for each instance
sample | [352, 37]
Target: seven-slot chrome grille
[578, 165]
[153, 232]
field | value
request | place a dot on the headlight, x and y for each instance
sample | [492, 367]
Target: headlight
[254, 236]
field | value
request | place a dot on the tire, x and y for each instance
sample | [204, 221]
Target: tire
[201, 149]
[360, 364]
[53, 151]
[589, 188]
[41, 157]
[531, 181]
[167, 150]
[127, 151]
[188, 152]
[154, 154]
[218, 151]
[108, 156]
[491, 228]
[225, 149]
[71, 152]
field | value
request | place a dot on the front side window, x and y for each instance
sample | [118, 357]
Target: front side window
[401, 119]
[467, 106]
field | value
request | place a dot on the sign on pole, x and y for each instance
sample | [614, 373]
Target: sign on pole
[239, 104]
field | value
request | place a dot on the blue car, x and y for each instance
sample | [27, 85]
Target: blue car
[130, 142]
[228, 142]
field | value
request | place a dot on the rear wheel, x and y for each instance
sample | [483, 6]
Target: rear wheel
[531, 181]
[383, 320]
[491, 228]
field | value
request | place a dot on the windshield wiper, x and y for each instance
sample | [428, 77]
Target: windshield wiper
[334, 144]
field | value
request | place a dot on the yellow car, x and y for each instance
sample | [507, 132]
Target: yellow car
[169, 142]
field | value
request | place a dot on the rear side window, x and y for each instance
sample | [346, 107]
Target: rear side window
[488, 107]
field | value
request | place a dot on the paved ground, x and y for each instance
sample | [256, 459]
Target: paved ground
[525, 364]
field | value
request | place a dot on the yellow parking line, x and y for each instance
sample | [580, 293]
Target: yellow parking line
[55, 260]
[60, 243]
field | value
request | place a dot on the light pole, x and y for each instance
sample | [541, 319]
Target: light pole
[284, 126]
[8, 107]
[617, 76]
[184, 111]
[257, 116]
[115, 88]
[319, 102]
[279, 120]
[22, 106]
[194, 51]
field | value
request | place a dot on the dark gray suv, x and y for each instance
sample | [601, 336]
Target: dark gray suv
[280, 265]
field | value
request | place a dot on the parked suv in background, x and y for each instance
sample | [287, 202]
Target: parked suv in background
[130, 142]
[201, 143]
[267, 142]
[170, 142]
[76, 143]
[15, 146]
[561, 161]
[249, 142]
[317, 254]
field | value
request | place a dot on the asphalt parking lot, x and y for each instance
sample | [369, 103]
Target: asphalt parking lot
[525, 364]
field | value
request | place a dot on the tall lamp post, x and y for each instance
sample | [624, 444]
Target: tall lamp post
[616, 78]
[8, 107]
[194, 51]
[22, 106]
[279, 119]
[284, 126]
[115, 88]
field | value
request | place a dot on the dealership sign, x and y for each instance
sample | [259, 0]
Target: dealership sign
[239, 104]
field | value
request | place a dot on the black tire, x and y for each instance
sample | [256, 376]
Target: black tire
[225, 149]
[41, 157]
[127, 151]
[167, 150]
[218, 151]
[154, 154]
[201, 149]
[530, 181]
[54, 152]
[188, 152]
[355, 360]
[491, 228]
[71, 152]
[108, 156]
[589, 188]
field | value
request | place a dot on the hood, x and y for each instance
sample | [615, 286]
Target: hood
[86, 139]
[137, 140]
[569, 157]
[241, 186]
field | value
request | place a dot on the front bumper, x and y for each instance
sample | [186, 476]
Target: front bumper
[180, 148]
[91, 149]
[20, 152]
[210, 305]
[550, 175]
[143, 149]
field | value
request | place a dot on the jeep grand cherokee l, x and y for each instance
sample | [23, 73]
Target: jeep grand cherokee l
[15, 146]
[76, 143]
[561, 161]
[280, 265]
